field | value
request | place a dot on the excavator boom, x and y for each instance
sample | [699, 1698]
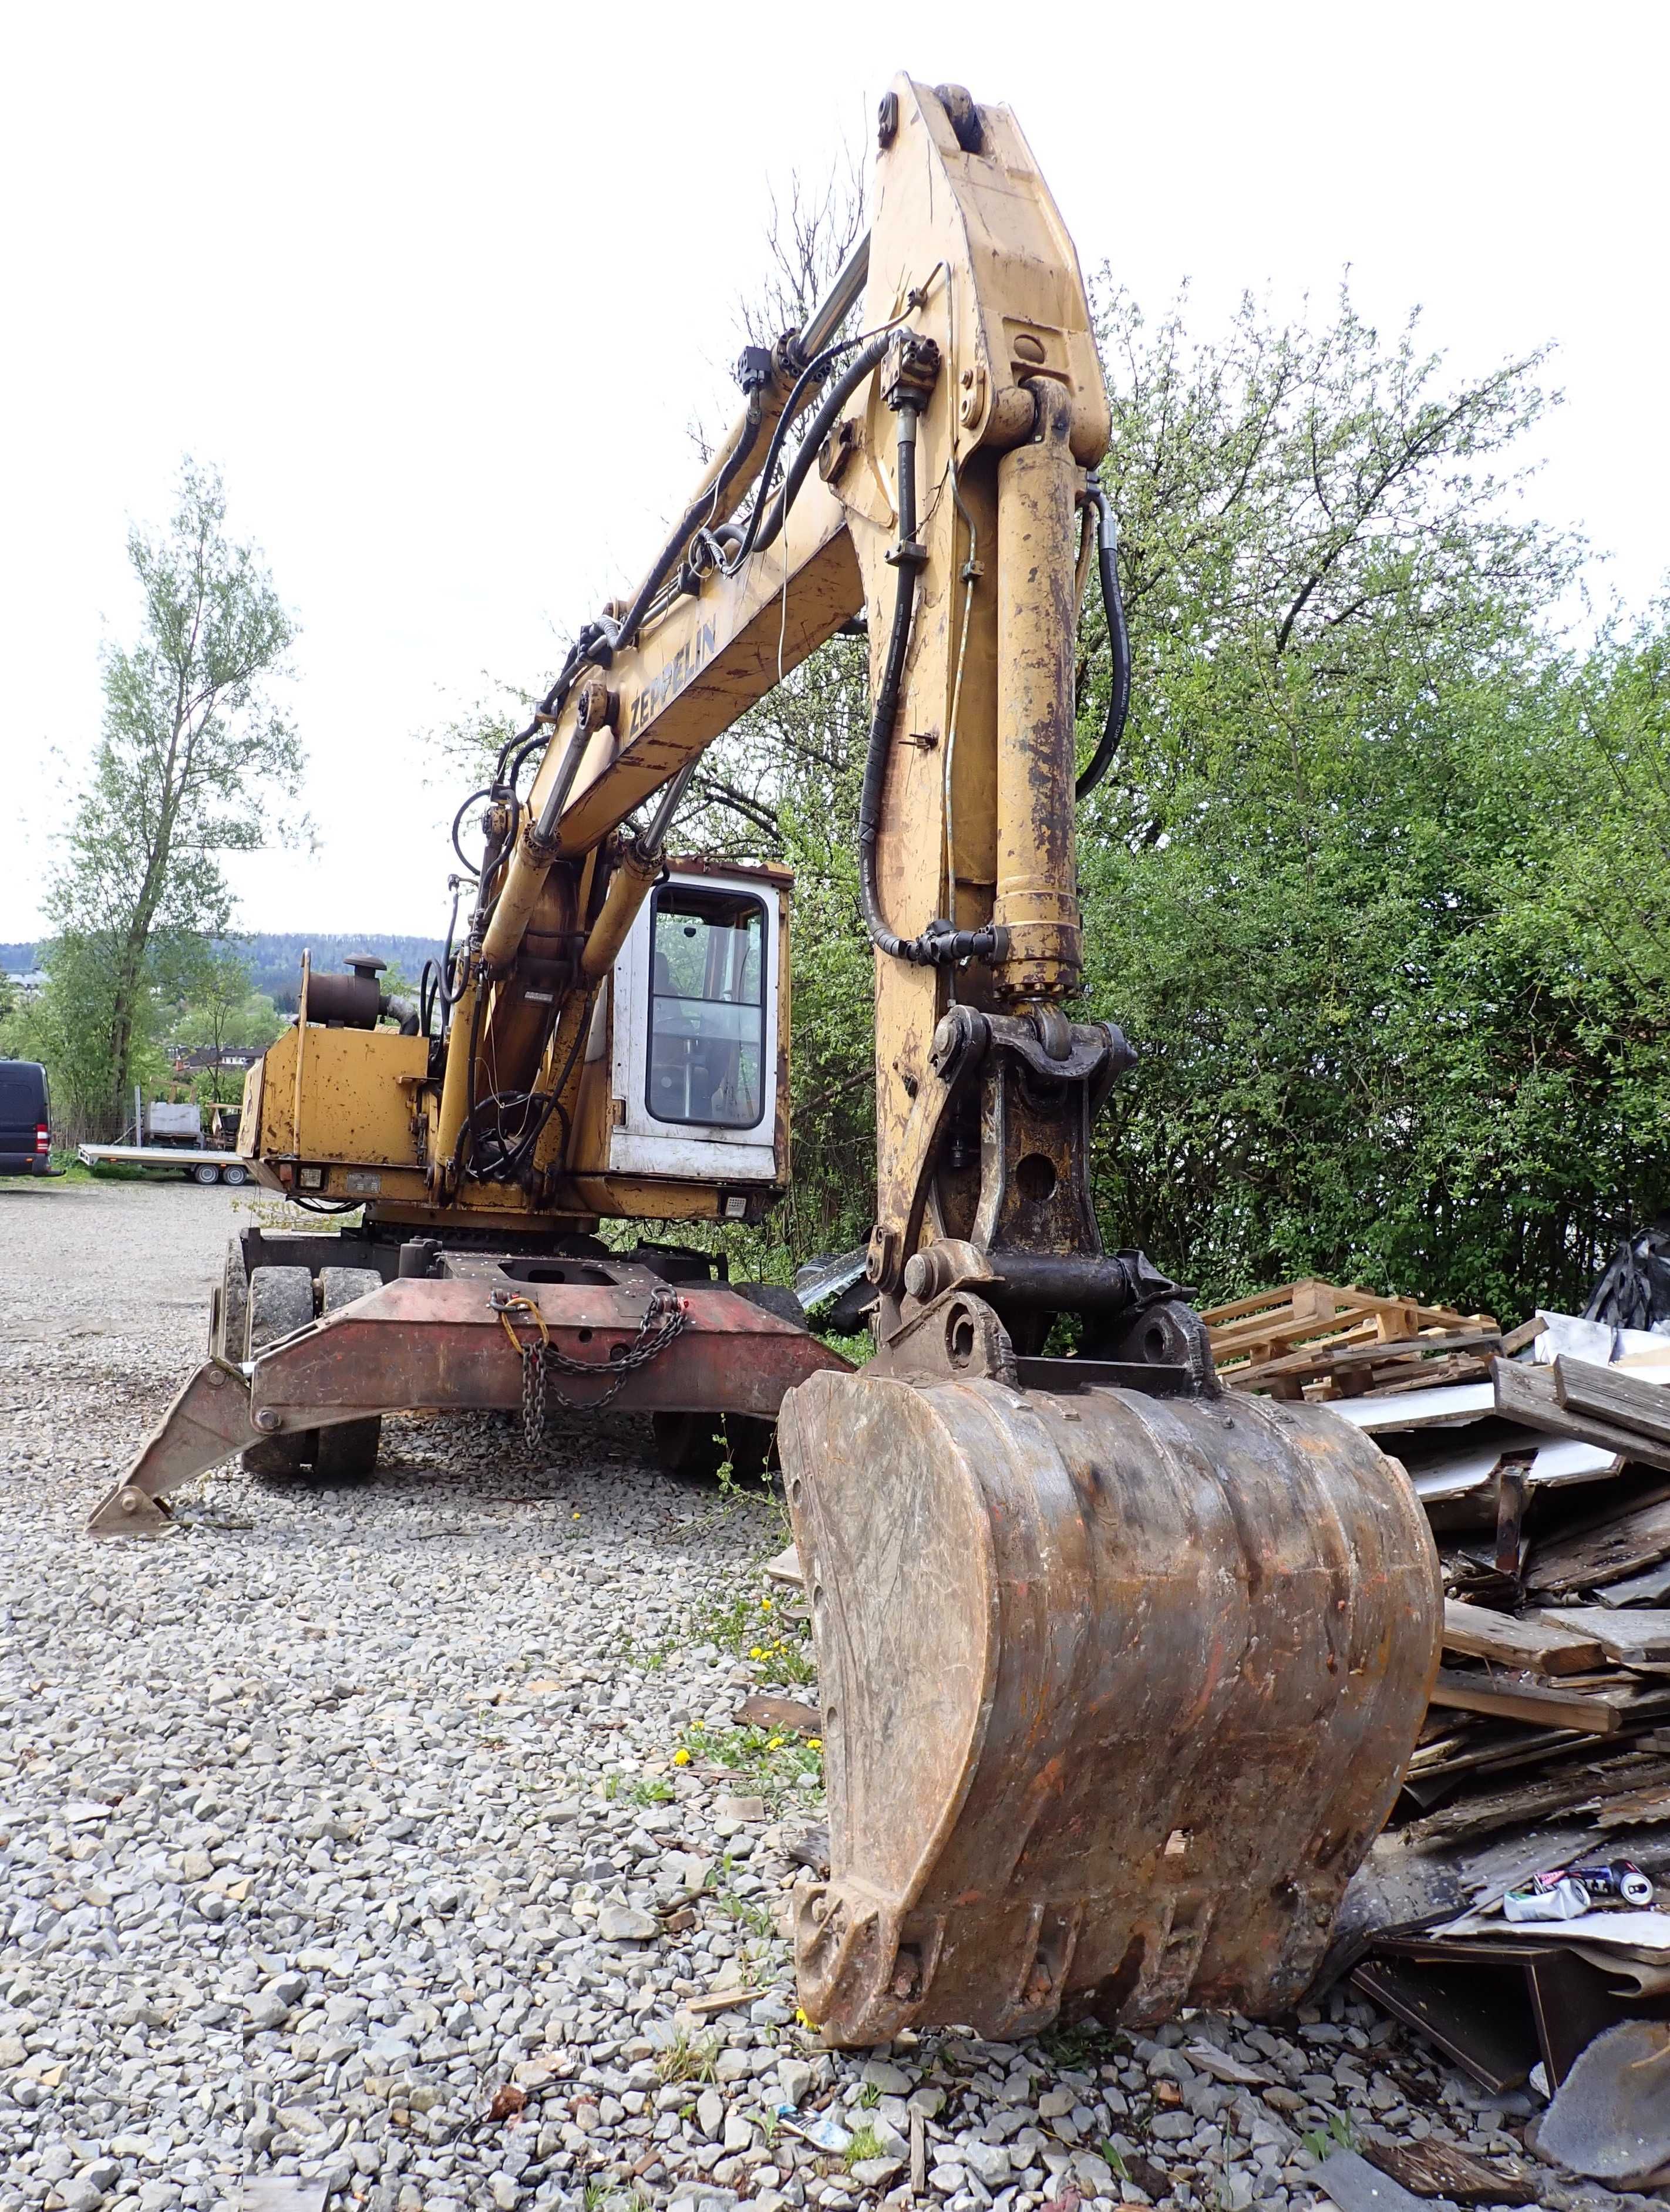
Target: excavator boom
[1120, 1672]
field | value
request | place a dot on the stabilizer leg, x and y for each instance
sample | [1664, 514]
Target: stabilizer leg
[207, 1423]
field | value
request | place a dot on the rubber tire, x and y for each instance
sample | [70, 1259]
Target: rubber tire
[687, 1444]
[774, 1298]
[234, 1177]
[347, 1450]
[232, 1336]
[204, 1175]
[281, 1301]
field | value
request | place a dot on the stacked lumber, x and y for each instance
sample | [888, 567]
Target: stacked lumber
[1316, 1339]
[1552, 1699]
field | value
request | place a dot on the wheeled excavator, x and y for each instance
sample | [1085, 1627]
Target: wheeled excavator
[1118, 1670]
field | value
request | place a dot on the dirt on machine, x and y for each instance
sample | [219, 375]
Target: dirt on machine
[1119, 1671]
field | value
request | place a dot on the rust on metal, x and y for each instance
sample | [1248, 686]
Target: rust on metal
[1116, 1693]
[428, 1345]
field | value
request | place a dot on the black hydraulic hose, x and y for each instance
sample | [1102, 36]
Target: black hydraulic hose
[766, 520]
[1119, 640]
[689, 522]
[938, 947]
[486, 792]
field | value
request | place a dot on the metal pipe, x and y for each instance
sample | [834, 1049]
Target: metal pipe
[837, 303]
[1037, 904]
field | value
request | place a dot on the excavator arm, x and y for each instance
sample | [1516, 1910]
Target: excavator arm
[1118, 1672]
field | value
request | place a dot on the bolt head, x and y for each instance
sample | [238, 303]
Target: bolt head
[265, 1418]
[131, 1499]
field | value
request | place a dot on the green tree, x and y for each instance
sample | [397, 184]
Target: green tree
[193, 761]
[1308, 887]
[223, 1012]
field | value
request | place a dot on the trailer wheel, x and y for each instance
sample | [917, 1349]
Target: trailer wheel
[699, 1445]
[234, 1175]
[347, 1450]
[281, 1301]
[204, 1174]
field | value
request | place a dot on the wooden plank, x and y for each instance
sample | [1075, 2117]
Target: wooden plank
[1522, 1699]
[1571, 1787]
[1544, 1643]
[1524, 1393]
[1623, 1545]
[764, 1710]
[1510, 1516]
[1651, 1804]
[1627, 1401]
[1635, 1636]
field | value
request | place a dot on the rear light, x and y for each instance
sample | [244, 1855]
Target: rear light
[43, 1137]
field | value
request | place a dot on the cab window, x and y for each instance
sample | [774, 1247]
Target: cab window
[707, 1007]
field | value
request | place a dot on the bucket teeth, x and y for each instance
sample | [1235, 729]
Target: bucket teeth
[1116, 1692]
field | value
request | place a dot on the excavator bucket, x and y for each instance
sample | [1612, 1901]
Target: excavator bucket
[1117, 1691]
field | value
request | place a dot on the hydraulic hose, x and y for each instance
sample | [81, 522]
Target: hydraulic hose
[1119, 640]
[766, 520]
[935, 946]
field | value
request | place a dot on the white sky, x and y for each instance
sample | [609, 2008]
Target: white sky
[439, 290]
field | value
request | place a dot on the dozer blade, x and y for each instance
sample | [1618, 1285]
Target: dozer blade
[1117, 1691]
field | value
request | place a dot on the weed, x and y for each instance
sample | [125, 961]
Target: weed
[1115, 2160]
[870, 2096]
[654, 1790]
[688, 2058]
[756, 1918]
[1084, 2044]
[1338, 2135]
[773, 1764]
[866, 2143]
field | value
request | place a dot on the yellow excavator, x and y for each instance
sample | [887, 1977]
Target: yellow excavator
[1118, 1670]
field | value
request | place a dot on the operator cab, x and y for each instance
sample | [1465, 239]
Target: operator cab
[694, 1029]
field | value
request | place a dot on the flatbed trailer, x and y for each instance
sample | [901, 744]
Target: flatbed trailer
[202, 1166]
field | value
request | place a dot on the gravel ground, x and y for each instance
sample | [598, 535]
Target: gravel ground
[398, 1838]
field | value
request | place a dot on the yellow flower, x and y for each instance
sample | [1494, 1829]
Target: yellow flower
[681, 1756]
[765, 1605]
[757, 1652]
[814, 1743]
[775, 1742]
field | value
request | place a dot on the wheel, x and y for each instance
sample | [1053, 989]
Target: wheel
[204, 1174]
[700, 1443]
[232, 1333]
[774, 1298]
[281, 1301]
[234, 1175]
[347, 1450]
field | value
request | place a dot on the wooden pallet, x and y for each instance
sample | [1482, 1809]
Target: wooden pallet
[1256, 1331]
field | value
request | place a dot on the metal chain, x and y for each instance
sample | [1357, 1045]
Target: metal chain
[665, 1317]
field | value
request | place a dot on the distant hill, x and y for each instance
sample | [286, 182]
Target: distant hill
[274, 959]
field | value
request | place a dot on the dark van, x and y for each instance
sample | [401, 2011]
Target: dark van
[25, 1119]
